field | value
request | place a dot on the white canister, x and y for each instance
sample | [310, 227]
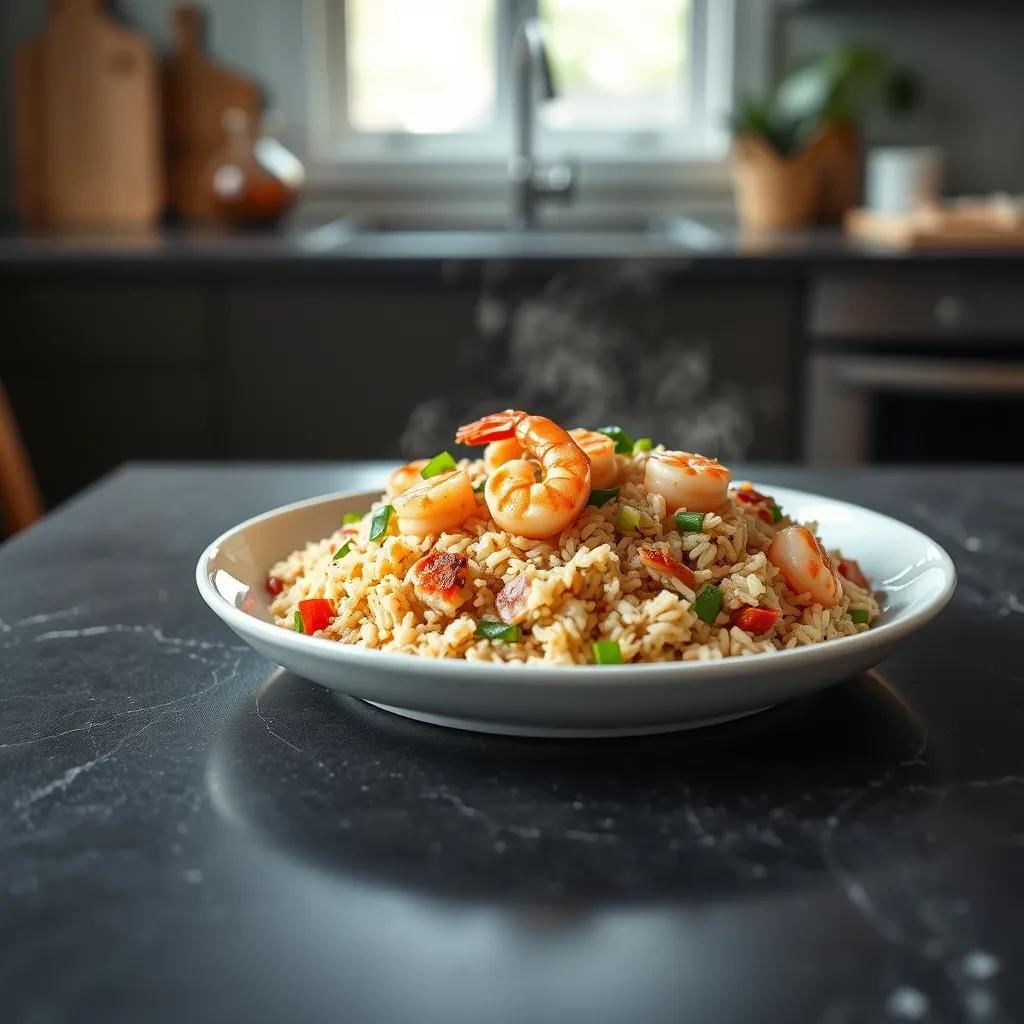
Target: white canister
[903, 178]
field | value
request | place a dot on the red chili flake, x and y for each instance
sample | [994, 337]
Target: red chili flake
[274, 586]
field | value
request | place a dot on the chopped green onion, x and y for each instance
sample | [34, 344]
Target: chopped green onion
[297, 622]
[379, 522]
[607, 652]
[600, 497]
[627, 519]
[642, 444]
[623, 442]
[479, 489]
[690, 522]
[352, 517]
[342, 551]
[860, 616]
[776, 514]
[708, 604]
[440, 463]
[488, 629]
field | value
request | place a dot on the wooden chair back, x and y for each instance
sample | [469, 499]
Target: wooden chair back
[20, 501]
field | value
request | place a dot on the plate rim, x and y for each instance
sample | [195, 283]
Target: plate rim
[882, 635]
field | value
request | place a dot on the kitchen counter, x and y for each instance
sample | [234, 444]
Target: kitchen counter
[188, 833]
[330, 245]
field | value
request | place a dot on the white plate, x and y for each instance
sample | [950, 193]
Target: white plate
[916, 575]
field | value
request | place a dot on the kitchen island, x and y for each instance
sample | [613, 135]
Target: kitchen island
[189, 833]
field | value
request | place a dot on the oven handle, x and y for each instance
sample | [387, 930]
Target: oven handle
[926, 376]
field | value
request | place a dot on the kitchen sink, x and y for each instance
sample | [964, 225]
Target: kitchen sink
[611, 235]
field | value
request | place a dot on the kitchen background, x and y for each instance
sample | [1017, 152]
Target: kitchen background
[394, 302]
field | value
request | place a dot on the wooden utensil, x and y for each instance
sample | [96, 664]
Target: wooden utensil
[87, 114]
[196, 93]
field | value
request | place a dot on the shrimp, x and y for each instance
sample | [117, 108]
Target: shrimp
[439, 581]
[497, 453]
[526, 499]
[687, 481]
[806, 565]
[435, 505]
[405, 477]
[600, 449]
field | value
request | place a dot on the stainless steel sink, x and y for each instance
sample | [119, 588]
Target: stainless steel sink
[611, 235]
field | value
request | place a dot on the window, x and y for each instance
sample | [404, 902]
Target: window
[425, 68]
[431, 79]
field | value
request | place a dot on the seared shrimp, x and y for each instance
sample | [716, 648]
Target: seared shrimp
[405, 477]
[806, 565]
[439, 581]
[522, 497]
[600, 449]
[687, 481]
[435, 505]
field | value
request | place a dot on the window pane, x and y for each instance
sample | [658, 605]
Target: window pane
[618, 64]
[420, 65]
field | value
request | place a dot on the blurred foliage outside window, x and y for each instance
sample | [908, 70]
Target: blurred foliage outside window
[433, 67]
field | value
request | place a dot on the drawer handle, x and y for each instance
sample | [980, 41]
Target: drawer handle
[950, 311]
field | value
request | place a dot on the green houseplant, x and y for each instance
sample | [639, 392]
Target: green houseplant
[797, 150]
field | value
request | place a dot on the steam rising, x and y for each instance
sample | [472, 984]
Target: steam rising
[587, 355]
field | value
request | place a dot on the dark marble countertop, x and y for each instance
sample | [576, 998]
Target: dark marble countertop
[188, 834]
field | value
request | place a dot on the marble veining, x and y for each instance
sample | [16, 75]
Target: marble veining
[188, 833]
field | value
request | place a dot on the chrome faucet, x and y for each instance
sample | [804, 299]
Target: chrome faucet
[531, 182]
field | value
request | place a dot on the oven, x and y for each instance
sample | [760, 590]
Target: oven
[916, 368]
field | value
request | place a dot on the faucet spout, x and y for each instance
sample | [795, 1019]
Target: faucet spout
[533, 80]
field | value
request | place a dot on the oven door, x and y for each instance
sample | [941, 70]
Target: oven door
[913, 408]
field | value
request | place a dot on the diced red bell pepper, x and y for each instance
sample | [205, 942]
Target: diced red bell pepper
[274, 586]
[852, 571]
[749, 496]
[316, 613]
[666, 564]
[756, 620]
[752, 497]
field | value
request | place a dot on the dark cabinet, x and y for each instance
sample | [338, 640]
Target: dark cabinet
[387, 365]
[352, 372]
[98, 375]
[338, 372]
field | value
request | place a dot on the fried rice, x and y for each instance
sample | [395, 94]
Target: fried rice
[588, 584]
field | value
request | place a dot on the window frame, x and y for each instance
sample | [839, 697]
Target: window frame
[403, 168]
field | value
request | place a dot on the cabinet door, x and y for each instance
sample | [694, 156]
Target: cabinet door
[343, 372]
[750, 334]
[100, 375]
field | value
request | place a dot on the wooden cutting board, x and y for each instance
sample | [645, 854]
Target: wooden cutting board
[196, 93]
[87, 113]
[29, 135]
[973, 225]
